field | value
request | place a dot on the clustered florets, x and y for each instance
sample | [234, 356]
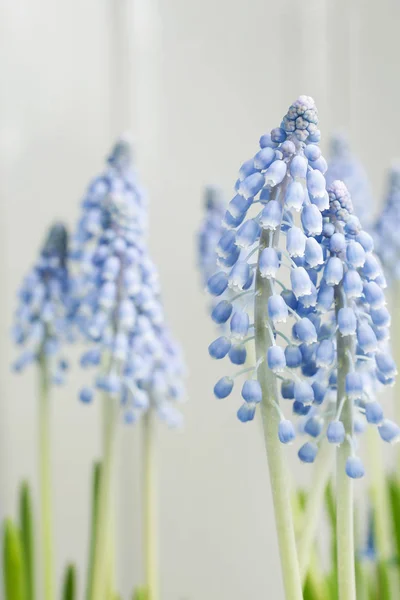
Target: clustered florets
[210, 231]
[43, 315]
[119, 308]
[330, 258]
[386, 232]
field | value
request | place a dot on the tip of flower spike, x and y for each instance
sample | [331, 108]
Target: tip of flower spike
[56, 244]
[340, 204]
[122, 153]
[301, 120]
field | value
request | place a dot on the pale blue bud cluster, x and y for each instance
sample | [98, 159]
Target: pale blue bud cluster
[386, 230]
[42, 318]
[335, 293]
[210, 231]
[120, 312]
[344, 166]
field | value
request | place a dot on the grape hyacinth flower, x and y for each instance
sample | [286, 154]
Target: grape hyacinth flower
[41, 327]
[210, 231]
[334, 303]
[344, 166]
[386, 233]
[120, 314]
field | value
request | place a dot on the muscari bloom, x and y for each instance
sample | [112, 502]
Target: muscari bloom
[42, 319]
[386, 231]
[120, 313]
[210, 231]
[334, 292]
[344, 166]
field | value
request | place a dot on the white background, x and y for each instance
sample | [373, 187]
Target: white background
[197, 82]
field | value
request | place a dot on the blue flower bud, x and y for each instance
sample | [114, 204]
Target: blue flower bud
[288, 148]
[251, 391]
[313, 254]
[352, 284]
[374, 295]
[278, 135]
[389, 431]
[219, 348]
[247, 168]
[382, 333]
[303, 392]
[347, 321]
[221, 312]
[313, 426]
[109, 383]
[366, 338]
[354, 386]
[355, 255]
[316, 183]
[336, 433]
[311, 220]
[264, 158]
[237, 355]
[294, 196]
[247, 234]
[239, 276]
[354, 467]
[287, 389]
[353, 226]
[298, 167]
[319, 164]
[337, 243]
[366, 241]
[300, 409]
[290, 299]
[308, 452]
[360, 425]
[325, 297]
[333, 272]
[226, 244]
[277, 309]
[246, 412]
[268, 263]
[217, 283]
[231, 259]
[86, 395]
[386, 365]
[295, 242]
[223, 387]
[325, 354]
[275, 173]
[301, 282]
[319, 390]
[276, 359]
[374, 412]
[328, 230]
[271, 215]
[239, 206]
[312, 152]
[250, 186]
[240, 324]
[286, 432]
[371, 269]
[293, 357]
[266, 141]
[305, 331]
[91, 358]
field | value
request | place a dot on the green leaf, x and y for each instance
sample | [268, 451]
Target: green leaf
[141, 594]
[95, 493]
[27, 537]
[13, 563]
[70, 583]
[394, 496]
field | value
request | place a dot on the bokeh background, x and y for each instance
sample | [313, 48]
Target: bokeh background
[196, 82]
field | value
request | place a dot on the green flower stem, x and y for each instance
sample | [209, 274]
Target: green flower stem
[275, 451]
[381, 513]
[314, 506]
[100, 571]
[46, 504]
[344, 484]
[150, 549]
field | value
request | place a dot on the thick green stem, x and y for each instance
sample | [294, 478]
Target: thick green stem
[381, 513]
[46, 504]
[150, 550]
[275, 452]
[344, 484]
[100, 559]
[314, 506]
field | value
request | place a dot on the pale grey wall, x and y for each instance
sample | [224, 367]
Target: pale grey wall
[198, 84]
